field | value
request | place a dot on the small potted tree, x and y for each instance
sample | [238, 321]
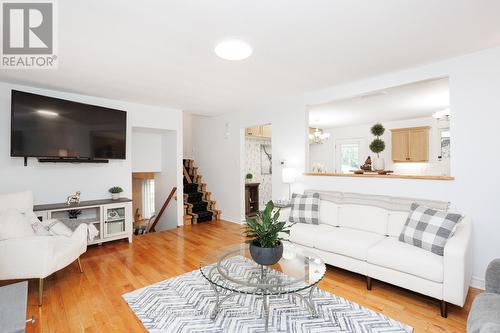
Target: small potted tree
[248, 177]
[377, 146]
[115, 192]
[264, 230]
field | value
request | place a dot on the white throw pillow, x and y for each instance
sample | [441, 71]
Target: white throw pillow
[13, 224]
[40, 229]
[57, 228]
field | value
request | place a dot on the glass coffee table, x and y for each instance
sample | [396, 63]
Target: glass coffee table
[232, 271]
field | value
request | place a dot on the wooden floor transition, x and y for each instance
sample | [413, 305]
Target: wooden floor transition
[91, 302]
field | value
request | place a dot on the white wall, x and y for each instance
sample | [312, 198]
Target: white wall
[474, 99]
[51, 183]
[165, 181]
[325, 153]
[187, 122]
[147, 148]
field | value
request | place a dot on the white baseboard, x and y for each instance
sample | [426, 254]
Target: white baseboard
[232, 220]
[477, 283]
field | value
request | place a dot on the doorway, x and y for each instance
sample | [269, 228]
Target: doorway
[156, 174]
[143, 195]
[258, 168]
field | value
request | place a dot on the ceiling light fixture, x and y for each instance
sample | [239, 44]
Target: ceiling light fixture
[48, 113]
[233, 49]
[317, 136]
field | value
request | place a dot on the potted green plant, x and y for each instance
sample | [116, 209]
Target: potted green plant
[73, 213]
[264, 230]
[377, 146]
[248, 177]
[115, 192]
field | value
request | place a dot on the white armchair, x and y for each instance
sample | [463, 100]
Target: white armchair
[37, 256]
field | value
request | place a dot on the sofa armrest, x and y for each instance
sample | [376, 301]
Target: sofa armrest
[457, 264]
[285, 215]
[493, 277]
[26, 258]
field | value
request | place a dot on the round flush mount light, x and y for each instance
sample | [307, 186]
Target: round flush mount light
[233, 49]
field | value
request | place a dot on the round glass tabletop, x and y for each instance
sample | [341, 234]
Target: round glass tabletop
[232, 268]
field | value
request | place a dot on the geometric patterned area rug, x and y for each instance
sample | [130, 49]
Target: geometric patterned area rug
[183, 305]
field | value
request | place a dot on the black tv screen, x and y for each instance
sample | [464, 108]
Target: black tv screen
[43, 126]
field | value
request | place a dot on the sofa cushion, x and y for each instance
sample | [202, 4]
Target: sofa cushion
[303, 234]
[305, 208]
[21, 201]
[396, 223]
[13, 224]
[429, 228]
[348, 242]
[329, 213]
[365, 218]
[393, 254]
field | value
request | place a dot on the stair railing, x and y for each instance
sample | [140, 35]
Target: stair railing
[165, 204]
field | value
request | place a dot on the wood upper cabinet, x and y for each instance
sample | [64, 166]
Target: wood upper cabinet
[263, 131]
[410, 144]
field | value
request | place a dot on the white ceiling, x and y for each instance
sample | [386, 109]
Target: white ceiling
[414, 100]
[161, 52]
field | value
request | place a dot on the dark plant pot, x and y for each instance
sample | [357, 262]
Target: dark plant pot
[266, 255]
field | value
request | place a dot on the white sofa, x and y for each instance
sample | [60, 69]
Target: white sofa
[359, 233]
[36, 256]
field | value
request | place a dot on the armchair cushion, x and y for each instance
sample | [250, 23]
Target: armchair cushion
[484, 316]
[493, 277]
[22, 201]
[13, 224]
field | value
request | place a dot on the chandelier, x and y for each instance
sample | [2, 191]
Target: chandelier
[317, 136]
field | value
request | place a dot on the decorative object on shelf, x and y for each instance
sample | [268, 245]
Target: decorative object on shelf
[115, 192]
[317, 136]
[248, 177]
[368, 164]
[266, 159]
[73, 199]
[369, 172]
[377, 146]
[73, 213]
[266, 247]
[113, 214]
[318, 168]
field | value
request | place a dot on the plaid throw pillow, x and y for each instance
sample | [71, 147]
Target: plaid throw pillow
[429, 228]
[305, 208]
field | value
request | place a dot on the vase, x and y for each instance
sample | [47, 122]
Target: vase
[378, 164]
[115, 196]
[266, 255]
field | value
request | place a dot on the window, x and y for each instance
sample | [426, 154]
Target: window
[348, 154]
[148, 198]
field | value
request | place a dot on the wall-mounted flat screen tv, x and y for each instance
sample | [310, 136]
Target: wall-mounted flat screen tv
[50, 127]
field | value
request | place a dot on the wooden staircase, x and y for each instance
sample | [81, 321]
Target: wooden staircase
[198, 204]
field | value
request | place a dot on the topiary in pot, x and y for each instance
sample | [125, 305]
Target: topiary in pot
[115, 192]
[248, 177]
[264, 230]
[377, 146]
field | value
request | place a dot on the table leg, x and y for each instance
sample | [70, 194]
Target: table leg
[265, 312]
[308, 301]
[314, 313]
[216, 308]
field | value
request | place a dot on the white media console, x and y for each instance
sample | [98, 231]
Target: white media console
[113, 218]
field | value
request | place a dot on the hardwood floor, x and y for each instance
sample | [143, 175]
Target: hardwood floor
[91, 301]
